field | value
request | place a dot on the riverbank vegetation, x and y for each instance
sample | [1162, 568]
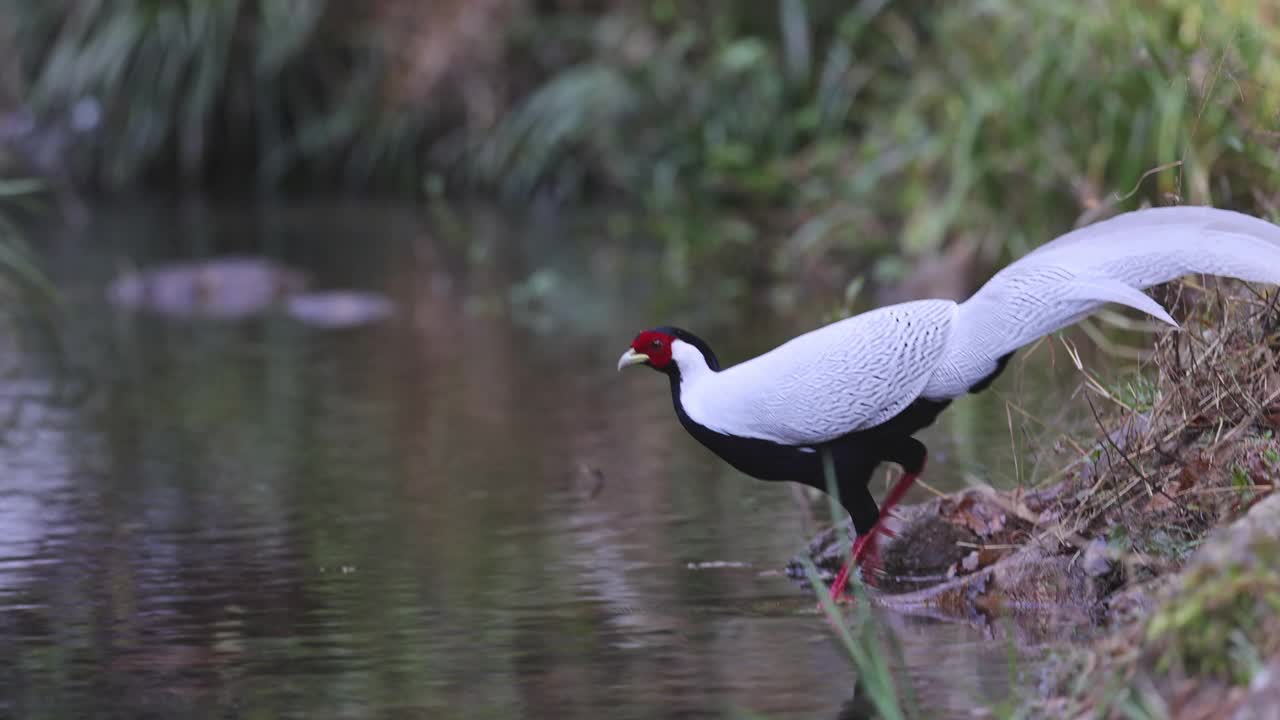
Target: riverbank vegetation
[873, 132]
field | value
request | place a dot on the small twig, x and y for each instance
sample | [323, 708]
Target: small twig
[1106, 436]
[920, 482]
[980, 546]
[1138, 185]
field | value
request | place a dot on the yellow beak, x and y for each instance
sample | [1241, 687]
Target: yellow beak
[631, 357]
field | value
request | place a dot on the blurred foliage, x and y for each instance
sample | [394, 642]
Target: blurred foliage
[844, 128]
[20, 273]
[821, 127]
[207, 88]
[29, 307]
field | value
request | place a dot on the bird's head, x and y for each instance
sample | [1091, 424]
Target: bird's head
[666, 349]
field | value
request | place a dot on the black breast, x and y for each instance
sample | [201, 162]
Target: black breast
[856, 455]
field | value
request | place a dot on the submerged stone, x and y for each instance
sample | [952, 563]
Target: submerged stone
[335, 309]
[229, 288]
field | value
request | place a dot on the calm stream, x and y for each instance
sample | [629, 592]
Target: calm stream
[460, 512]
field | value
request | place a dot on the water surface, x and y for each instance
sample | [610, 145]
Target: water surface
[461, 512]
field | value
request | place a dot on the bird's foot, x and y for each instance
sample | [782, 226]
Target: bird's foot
[837, 587]
[838, 594]
[866, 555]
[865, 549]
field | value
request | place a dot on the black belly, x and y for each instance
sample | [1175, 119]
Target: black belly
[855, 456]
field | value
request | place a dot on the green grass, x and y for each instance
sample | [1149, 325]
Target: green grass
[858, 637]
[856, 631]
[1138, 392]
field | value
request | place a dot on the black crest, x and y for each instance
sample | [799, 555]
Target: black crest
[694, 340]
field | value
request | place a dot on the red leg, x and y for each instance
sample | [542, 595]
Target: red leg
[842, 579]
[865, 552]
[898, 491]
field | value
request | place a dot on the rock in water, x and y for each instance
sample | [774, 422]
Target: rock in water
[336, 309]
[228, 288]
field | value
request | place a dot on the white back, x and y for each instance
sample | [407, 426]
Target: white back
[850, 375]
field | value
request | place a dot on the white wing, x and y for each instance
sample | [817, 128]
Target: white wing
[850, 375]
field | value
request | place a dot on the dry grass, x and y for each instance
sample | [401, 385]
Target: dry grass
[1195, 446]
[1193, 615]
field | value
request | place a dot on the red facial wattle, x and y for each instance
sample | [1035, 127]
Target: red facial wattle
[654, 345]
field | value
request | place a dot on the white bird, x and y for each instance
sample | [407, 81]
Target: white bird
[860, 387]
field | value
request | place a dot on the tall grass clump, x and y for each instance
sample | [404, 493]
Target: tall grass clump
[1016, 117]
[272, 89]
[701, 116]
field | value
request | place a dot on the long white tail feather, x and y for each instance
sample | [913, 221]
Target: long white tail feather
[1111, 261]
[1100, 291]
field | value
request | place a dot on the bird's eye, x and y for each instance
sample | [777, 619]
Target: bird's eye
[656, 343]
